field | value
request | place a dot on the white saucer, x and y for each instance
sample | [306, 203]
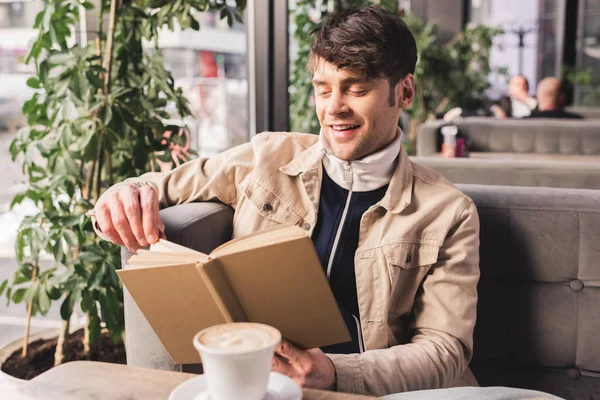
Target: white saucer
[280, 387]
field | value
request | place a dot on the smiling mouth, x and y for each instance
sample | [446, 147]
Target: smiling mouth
[344, 128]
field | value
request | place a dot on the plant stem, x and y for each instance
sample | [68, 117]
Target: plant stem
[107, 62]
[100, 160]
[109, 172]
[60, 345]
[89, 179]
[86, 337]
[29, 308]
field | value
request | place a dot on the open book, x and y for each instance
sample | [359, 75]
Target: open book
[272, 277]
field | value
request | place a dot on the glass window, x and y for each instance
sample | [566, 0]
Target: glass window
[588, 59]
[16, 36]
[548, 36]
[481, 12]
[547, 52]
[210, 67]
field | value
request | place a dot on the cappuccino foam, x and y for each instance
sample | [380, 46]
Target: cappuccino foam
[239, 337]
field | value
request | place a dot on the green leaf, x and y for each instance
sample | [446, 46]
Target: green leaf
[34, 83]
[94, 79]
[97, 277]
[59, 58]
[66, 309]
[17, 200]
[194, 24]
[31, 292]
[54, 293]
[108, 114]
[71, 237]
[43, 301]
[87, 5]
[86, 301]
[3, 286]
[22, 279]
[71, 220]
[90, 257]
[18, 295]
[94, 327]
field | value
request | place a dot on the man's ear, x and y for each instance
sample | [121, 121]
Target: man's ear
[405, 91]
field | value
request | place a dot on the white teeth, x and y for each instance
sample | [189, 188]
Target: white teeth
[343, 127]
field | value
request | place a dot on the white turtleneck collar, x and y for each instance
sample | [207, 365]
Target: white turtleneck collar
[366, 174]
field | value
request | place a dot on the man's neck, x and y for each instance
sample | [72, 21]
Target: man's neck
[366, 174]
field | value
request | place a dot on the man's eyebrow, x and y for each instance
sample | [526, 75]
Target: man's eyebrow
[355, 80]
[346, 81]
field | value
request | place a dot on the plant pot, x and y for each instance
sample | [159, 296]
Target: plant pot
[42, 348]
[8, 349]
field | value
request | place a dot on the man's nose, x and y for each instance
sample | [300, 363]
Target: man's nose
[337, 104]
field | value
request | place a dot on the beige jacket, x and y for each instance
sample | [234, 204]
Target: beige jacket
[417, 262]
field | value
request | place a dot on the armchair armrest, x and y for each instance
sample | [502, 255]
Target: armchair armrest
[199, 226]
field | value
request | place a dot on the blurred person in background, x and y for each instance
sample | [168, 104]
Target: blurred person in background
[551, 100]
[519, 103]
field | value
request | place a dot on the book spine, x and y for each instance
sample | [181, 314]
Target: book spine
[221, 291]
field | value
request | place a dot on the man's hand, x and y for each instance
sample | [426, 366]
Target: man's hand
[311, 368]
[130, 217]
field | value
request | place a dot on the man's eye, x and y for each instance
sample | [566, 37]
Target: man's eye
[323, 93]
[359, 92]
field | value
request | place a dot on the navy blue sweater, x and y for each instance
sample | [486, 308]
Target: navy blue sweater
[341, 275]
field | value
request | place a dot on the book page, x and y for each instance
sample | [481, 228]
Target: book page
[166, 246]
[283, 284]
[155, 257]
[276, 234]
[177, 303]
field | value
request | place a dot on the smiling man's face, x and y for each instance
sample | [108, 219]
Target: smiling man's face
[356, 116]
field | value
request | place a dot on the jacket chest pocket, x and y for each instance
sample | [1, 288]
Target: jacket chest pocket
[261, 209]
[407, 265]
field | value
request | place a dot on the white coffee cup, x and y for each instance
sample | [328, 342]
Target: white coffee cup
[237, 359]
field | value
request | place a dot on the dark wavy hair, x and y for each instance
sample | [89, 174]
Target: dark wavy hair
[372, 41]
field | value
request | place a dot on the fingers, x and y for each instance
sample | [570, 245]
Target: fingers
[298, 358]
[122, 221]
[130, 196]
[130, 217]
[287, 369]
[104, 222]
[151, 225]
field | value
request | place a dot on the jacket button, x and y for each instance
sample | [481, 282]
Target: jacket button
[267, 207]
[306, 226]
[408, 258]
[576, 285]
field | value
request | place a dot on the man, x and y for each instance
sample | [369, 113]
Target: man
[398, 242]
[551, 100]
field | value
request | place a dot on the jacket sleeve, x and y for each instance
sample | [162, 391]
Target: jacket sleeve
[203, 179]
[445, 312]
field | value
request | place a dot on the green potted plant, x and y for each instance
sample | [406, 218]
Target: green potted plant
[96, 118]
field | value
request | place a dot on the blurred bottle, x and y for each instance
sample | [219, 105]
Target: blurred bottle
[449, 146]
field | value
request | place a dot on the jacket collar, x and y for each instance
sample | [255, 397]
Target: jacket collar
[399, 193]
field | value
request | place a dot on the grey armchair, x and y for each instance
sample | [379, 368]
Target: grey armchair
[199, 226]
[539, 294]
